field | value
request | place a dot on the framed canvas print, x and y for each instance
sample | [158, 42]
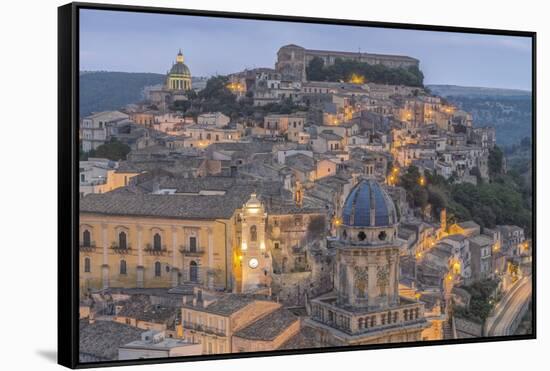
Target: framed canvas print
[238, 185]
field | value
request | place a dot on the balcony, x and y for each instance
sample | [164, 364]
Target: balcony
[188, 251]
[203, 328]
[121, 250]
[149, 249]
[90, 247]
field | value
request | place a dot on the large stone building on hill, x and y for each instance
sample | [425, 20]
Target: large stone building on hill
[292, 60]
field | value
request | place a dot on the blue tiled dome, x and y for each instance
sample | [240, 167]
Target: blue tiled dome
[367, 195]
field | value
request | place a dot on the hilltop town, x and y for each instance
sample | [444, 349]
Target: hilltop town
[331, 200]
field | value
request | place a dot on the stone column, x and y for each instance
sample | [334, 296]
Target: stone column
[210, 269]
[373, 283]
[339, 290]
[351, 287]
[140, 269]
[105, 242]
[391, 279]
[105, 265]
[396, 278]
[175, 271]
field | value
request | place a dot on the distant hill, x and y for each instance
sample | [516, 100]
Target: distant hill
[508, 110]
[473, 91]
[100, 91]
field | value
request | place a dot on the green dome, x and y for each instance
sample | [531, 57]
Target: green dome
[180, 69]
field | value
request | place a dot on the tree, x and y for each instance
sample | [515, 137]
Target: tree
[114, 150]
[495, 161]
[314, 70]
[343, 70]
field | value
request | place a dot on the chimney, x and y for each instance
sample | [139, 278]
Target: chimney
[155, 186]
[298, 194]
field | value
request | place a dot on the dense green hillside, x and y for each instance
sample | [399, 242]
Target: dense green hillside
[508, 110]
[100, 91]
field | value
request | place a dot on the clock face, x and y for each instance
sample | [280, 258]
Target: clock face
[253, 263]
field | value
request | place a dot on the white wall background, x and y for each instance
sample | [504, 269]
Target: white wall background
[28, 182]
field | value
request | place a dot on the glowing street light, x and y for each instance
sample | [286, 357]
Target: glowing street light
[356, 79]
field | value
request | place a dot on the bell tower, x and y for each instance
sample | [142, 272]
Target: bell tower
[255, 261]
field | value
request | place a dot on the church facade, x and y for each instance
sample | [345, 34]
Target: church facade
[176, 85]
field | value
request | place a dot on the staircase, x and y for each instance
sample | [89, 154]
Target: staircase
[447, 330]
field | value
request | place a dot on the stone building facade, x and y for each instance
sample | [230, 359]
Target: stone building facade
[292, 60]
[215, 233]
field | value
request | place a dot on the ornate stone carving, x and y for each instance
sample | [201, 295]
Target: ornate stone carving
[361, 277]
[383, 278]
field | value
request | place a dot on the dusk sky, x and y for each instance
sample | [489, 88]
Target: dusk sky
[138, 42]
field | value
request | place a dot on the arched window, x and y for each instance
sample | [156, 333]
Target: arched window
[253, 233]
[361, 236]
[157, 242]
[193, 271]
[122, 240]
[123, 267]
[86, 238]
[87, 264]
[382, 236]
[157, 269]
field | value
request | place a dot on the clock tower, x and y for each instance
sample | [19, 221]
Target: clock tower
[255, 261]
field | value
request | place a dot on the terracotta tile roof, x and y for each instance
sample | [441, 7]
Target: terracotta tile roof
[102, 338]
[269, 326]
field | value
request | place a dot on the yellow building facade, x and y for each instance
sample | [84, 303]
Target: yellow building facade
[146, 252]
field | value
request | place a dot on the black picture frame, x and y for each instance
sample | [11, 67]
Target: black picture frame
[68, 195]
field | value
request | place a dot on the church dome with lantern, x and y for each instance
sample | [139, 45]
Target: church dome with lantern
[179, 76]
[368, 214]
